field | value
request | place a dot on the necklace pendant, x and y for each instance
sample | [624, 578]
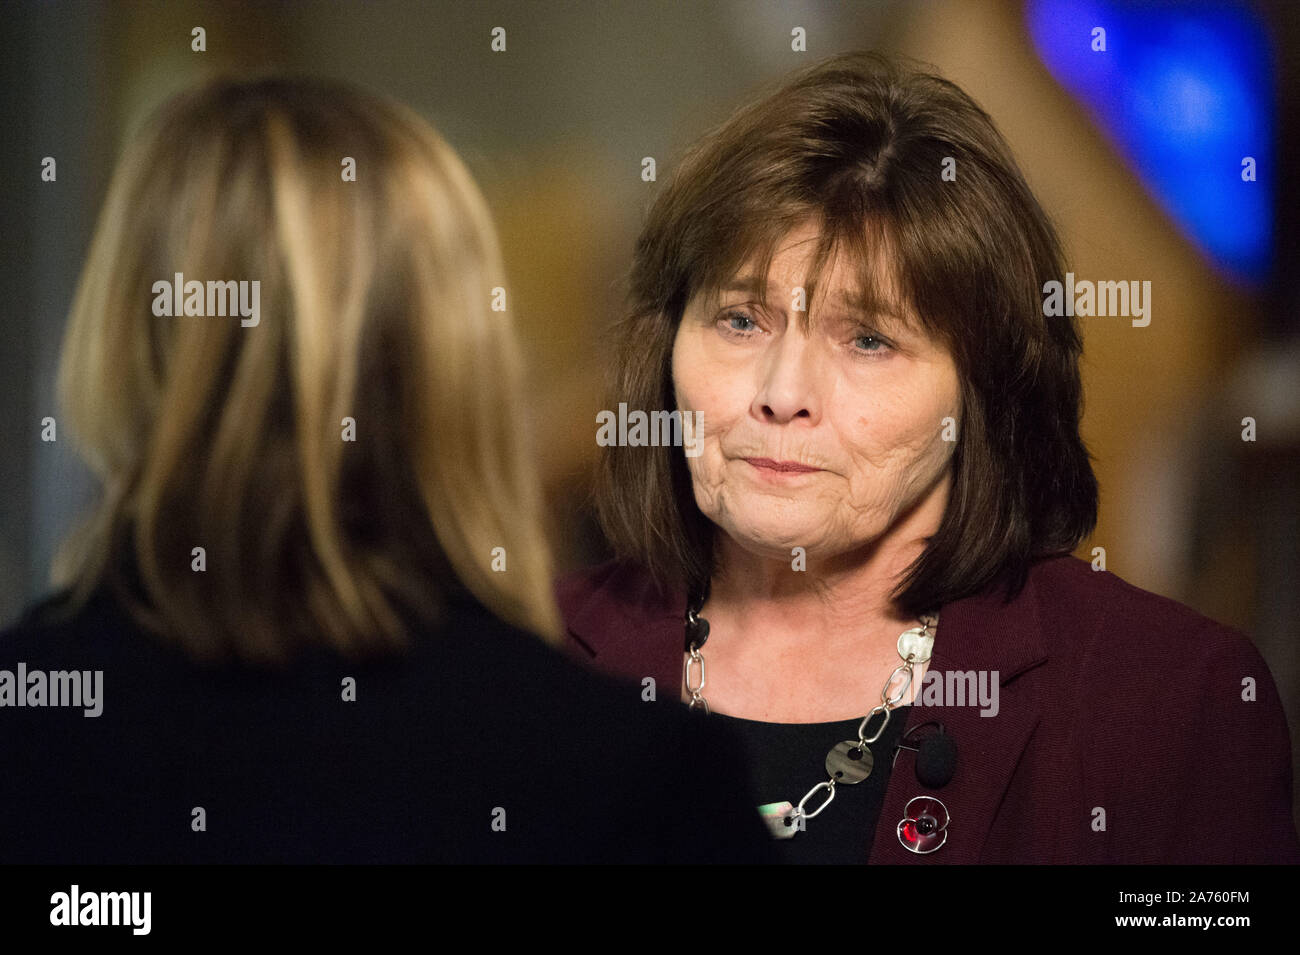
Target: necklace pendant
[780, 820]
[916, 644]
[849, 762]
[697, 630]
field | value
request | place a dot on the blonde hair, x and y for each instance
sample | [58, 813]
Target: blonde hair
[375, 305]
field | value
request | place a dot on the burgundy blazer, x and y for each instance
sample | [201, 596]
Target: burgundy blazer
[1110, 698]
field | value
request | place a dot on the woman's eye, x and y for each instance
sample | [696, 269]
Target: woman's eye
[738, 323]
[870, 344]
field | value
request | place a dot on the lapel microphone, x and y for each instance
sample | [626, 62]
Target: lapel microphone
[936, 755]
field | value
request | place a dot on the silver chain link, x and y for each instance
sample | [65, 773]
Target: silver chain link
[697, 698]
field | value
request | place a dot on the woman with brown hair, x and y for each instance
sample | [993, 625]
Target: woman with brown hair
[311, 606]
[866, 534]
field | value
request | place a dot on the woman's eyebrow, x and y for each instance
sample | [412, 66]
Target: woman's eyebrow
[854, 300]
[749, 284]
[867, 307]
[875, 309]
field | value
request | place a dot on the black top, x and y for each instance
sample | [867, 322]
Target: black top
[788, 759]
[480, 724]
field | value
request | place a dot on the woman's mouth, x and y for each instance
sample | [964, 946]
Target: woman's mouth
[781, 467]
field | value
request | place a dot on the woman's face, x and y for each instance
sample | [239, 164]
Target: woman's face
[819, 439]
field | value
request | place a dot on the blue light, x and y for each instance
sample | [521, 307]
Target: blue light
[1186, 93]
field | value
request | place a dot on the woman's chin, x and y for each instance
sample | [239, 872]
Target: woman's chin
[776, 541]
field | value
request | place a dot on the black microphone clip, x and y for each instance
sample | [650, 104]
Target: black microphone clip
[936, 755]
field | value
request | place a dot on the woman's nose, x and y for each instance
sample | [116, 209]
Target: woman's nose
[788, 382]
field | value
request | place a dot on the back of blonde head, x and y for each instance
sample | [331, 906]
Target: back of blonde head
[356, 454]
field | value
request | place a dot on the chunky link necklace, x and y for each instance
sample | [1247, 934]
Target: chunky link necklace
[848, 762]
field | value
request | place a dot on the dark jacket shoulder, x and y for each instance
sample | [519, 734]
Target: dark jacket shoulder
[480, 744]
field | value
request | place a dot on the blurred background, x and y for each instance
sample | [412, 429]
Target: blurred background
[1136, 151]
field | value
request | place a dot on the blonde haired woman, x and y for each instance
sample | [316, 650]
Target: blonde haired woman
[307, 585]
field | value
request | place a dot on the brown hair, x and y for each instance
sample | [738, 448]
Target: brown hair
[375, 307]
[859, 142]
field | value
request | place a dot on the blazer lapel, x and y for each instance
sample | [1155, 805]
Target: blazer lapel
[974, 634]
